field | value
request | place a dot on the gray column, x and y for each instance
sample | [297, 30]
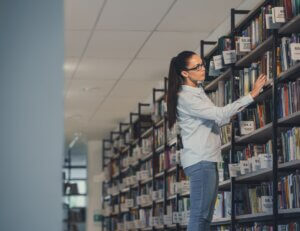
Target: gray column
[94, 183]
[31, 114]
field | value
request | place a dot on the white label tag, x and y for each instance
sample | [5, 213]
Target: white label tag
[278, 15]
[218, 62]
[129, 203]
[175, 217]
[295, 51]
[212, 70]
[185, 186]
[245, 44]
[267, 204]
[183, 218]
[234, 170]
[245, 167]
[255, 163]
[154, 221]
[266, 160]
[229, 56]
[167, 219]
[246, 127]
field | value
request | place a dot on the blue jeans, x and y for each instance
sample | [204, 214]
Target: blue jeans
[204, 181]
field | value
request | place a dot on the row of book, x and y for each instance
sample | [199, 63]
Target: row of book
[255, 117]
[288, 97]
[147, 144]
[252, 35]
[294, 226]
[159, 136]
[286, 58]
[291, 144]
[249, 159]
[289, 191]
[291, 8]
[252, 199]
[223, 205]
[168, 159]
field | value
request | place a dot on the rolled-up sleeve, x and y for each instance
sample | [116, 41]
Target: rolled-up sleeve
[202, 108]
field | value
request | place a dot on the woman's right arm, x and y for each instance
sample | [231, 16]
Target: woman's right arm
[199, 107]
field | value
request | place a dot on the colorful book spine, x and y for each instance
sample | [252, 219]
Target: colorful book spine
[260, 114]
[159, 136]
[291, 144]
[288, 97]
[289, 191]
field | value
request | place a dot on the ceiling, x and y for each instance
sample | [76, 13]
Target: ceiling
[116, 51]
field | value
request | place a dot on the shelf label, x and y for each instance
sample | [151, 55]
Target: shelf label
[218, 62]
[245, 166]
[234, 170]
[278, 15]
[185, 186]
[168, 219]
[295, 51]
[255, 160]
[244, 44]
[175, 217]
[246, 127]
[129, 203]
[267, 204]
[229, 56]
[266, 160]
[212, 70]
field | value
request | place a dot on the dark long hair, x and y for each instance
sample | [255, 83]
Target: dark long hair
[175, 80]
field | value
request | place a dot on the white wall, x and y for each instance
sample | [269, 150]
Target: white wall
[31, 116]
[94, 185]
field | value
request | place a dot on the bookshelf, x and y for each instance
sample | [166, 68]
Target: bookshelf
[153, 166]
[74, 213]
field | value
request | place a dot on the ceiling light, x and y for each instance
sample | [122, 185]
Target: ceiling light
[90, 89]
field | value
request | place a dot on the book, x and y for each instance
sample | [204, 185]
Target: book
[260, 114]
[159, 136]
[291, 144]
[222, 207]
[257, 29]
[288, 97]
[289, 191]
[147, 143]
[252, 199]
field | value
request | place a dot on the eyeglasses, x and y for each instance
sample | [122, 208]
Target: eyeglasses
[196, 68]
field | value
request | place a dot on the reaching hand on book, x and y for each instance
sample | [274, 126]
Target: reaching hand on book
[259, 83]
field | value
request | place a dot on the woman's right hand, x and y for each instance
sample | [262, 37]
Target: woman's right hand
[258, 85]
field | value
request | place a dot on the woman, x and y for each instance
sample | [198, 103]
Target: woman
[199, 121]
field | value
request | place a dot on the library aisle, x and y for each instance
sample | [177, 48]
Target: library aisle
[87, 142]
